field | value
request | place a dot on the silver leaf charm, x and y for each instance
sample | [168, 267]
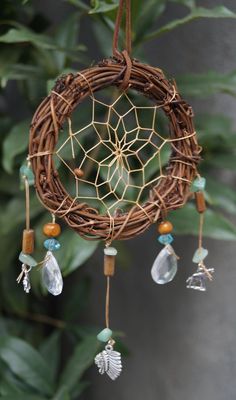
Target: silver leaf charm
[109, 362]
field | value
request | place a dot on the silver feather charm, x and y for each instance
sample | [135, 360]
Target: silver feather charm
[109, 362]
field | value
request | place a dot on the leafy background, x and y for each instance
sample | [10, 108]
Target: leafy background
[33, 52]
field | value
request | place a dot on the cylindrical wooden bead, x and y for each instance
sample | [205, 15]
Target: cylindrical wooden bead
[200, 202]
[109, 265]
[28, 241]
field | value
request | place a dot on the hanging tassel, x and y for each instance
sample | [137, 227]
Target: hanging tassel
[108, 361]
[198, 280]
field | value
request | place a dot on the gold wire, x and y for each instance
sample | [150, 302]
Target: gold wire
[40, 154]
[200, 232]
[27, 204]
[107, 305]
[200, 236]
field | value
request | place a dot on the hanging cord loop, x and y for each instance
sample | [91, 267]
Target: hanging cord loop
[120, 11]
[126, 53]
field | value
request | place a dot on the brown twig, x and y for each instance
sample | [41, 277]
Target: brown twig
[41, 318]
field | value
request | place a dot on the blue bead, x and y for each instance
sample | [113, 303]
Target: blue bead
[199, 255]
[165, 239]
[52, 244]
[198, 184]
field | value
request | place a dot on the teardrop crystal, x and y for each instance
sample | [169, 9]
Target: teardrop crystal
[165, 266]
[51, 274]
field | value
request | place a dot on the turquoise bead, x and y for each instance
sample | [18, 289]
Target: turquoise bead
[52, 244]
[199, 255]
[198, 184]
[27, 172]
[165, 239]
[27, 259]
[104, 335]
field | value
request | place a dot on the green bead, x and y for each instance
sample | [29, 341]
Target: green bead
[199, 255]
[104, 335]
[26, 172]
[198, 184]
[27, 259]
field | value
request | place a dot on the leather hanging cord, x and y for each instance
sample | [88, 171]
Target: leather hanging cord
[27, 204]
[123, 56]
[120, 11]
[107, 306]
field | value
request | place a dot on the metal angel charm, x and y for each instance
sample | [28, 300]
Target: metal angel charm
[109, 362]
[197, 281]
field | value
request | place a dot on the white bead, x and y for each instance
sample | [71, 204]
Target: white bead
[110, 251]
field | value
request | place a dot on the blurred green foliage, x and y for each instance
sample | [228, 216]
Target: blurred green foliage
[33, 52]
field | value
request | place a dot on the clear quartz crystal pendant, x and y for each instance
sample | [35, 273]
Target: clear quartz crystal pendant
[109, 362]
[51, 274]
[165, 266]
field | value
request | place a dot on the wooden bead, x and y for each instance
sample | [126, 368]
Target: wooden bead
[200, 202]
[109, 265]
[165, 227]
[79, 172]
[28, 241]
[51, 229]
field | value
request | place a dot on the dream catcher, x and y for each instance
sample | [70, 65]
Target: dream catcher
[95, 171]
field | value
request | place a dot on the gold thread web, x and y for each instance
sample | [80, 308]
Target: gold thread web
[120, 152]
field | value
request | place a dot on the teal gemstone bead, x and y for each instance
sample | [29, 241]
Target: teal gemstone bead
[104, 335]
[198, 184]
[27, 172]
[199, 255]
[165, 239]
[27, 259]
[52, 244]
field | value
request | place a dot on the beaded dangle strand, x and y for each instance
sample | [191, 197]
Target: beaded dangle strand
[108, 361]
[198, 280]
[51, 273]
[28, 262]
